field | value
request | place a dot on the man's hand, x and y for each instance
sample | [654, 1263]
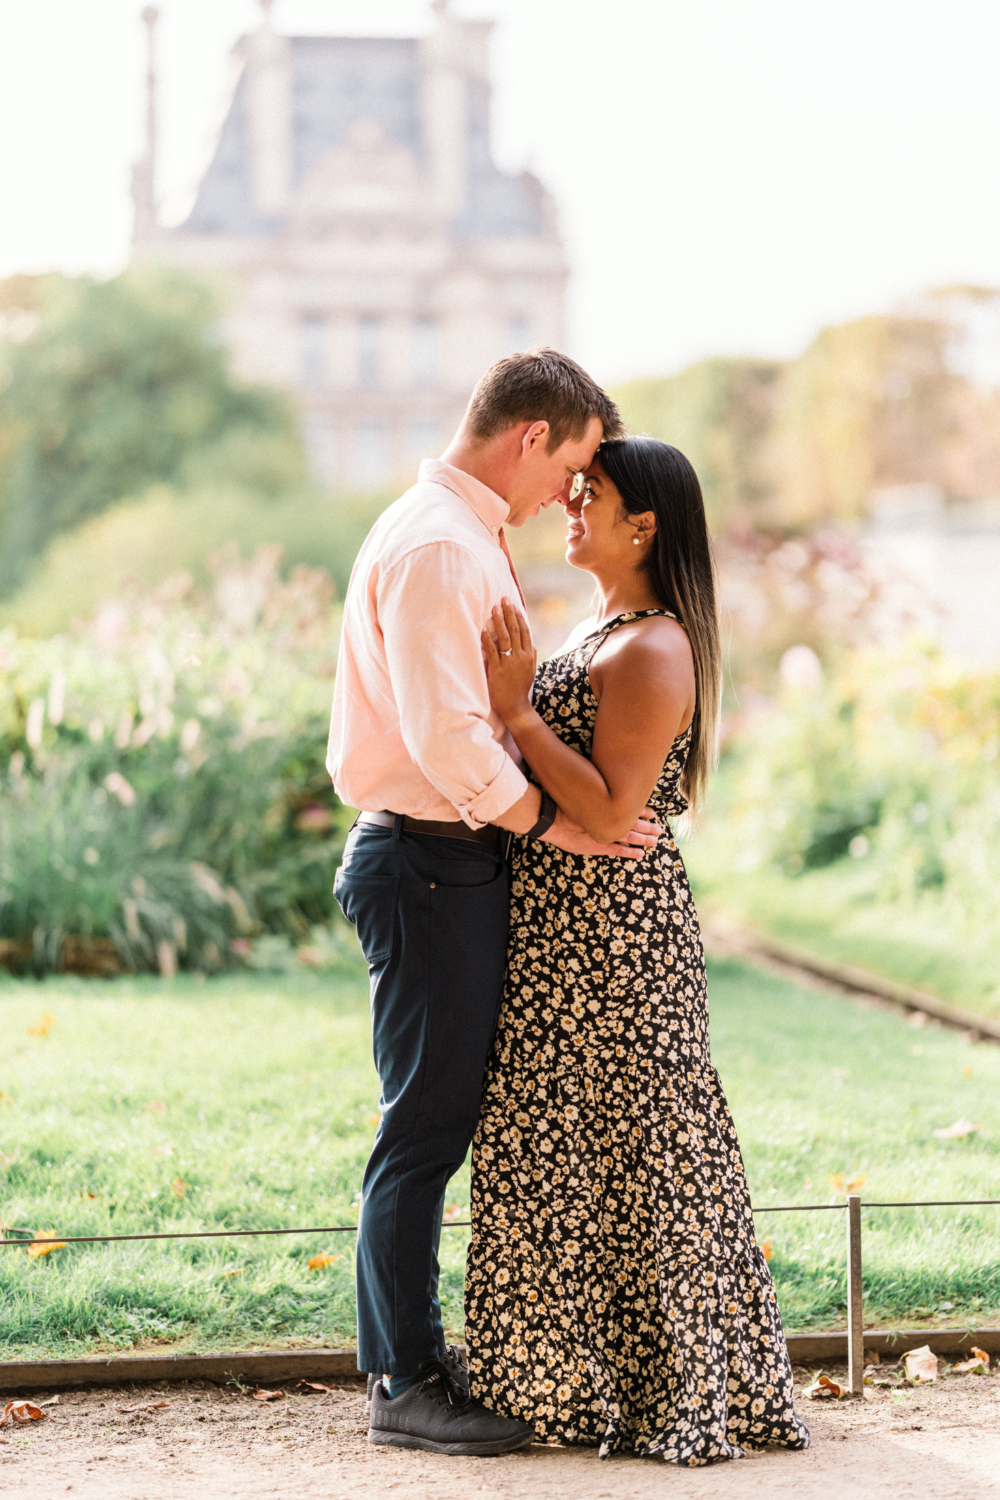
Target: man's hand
[567, 835]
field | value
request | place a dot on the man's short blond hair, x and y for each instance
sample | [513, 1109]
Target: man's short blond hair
[540, 385]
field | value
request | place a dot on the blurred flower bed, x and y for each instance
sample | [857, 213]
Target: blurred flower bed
[871, 783]
[165, 801]
[890, 758]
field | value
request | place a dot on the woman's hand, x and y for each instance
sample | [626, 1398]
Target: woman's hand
[510, 662]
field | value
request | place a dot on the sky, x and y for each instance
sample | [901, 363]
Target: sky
[731, 176]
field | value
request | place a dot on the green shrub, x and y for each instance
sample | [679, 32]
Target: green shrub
[143, 542]
[164, 773]
[893, 761]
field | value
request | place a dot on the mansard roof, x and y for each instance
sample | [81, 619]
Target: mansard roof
[337, 82]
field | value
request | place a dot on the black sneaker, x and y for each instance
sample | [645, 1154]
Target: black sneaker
[451, 1359]
[437, 1416]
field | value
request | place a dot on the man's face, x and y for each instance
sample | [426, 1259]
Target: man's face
[541, 477]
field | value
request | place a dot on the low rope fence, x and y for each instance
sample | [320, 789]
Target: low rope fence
[23, 1239]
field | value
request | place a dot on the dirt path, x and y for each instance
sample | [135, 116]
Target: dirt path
[941, 1441]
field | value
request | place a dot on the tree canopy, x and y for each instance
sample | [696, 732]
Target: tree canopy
[108, 387]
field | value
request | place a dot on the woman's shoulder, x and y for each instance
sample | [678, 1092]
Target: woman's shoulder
[649, 640]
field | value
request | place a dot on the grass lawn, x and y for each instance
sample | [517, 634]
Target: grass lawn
[250, 1101]
[834, 913]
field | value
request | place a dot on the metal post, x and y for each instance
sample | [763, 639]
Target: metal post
[855, 1306]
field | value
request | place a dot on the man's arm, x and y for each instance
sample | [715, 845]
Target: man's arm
[567, 835]
[430, 608]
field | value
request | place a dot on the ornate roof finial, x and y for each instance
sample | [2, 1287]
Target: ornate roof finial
[144, 170]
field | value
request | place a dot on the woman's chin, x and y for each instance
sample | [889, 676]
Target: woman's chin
[576, 555]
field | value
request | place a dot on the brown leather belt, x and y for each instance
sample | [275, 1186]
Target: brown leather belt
[493, 838]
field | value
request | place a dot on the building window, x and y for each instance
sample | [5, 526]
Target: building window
[425, 356]
[320, 436]
[518, 335]
[370, 469]
[369, 351]
[313, 340]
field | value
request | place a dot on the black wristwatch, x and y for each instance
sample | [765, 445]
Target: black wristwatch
[546, 817]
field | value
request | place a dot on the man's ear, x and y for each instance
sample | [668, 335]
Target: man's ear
[537, 433]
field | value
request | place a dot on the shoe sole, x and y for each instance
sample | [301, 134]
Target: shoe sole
[383, 1439]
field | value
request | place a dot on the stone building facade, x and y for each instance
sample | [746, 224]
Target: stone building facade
[376, 258]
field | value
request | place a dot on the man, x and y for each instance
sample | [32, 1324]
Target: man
[416, 746]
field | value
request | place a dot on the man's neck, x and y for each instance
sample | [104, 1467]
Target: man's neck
[484, 461]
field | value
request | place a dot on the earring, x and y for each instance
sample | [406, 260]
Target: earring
[637, 541]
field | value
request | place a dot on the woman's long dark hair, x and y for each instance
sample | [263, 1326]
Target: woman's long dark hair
[650, 475]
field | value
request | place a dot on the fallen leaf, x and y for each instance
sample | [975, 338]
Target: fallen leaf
[36, 1248]
[145, 1406]
[52, 1401]
[314, 1385]
[825, 1389]
[43, 1026]
[453, 1211]
[957, 1131]
[921, 1364]
[20, 1411]
[839, 1185]
[260, 1395]
[232, 1271]
[178, 1187]
[766, 1249]
[321, 1261]
[978, 1364]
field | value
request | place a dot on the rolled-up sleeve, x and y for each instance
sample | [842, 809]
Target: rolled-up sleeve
[432, 607]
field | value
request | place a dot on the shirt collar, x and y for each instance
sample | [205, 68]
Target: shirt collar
[486, 503]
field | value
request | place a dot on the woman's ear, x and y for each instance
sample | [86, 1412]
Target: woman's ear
[645, 527]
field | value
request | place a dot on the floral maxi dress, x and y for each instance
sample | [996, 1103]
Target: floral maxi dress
[615, 1294]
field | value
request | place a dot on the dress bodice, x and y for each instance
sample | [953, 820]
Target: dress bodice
[564, 698]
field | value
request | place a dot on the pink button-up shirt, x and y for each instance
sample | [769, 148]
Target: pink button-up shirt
[412, 728]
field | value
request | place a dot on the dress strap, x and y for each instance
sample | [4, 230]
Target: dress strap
[596, 639]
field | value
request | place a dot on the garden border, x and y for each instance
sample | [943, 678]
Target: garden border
[272, 1367]
[340, 1364]
[731, 938]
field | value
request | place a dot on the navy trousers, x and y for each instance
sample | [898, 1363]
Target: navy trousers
[432, 917]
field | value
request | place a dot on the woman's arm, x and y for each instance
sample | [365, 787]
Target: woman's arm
[645, 685]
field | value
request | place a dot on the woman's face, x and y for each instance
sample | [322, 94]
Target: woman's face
[600, 536]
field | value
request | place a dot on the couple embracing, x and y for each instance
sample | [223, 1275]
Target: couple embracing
[537, 974]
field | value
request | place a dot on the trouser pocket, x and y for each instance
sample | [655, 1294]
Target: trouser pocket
[369, 902]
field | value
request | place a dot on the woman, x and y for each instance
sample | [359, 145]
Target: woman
[615, 1293]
